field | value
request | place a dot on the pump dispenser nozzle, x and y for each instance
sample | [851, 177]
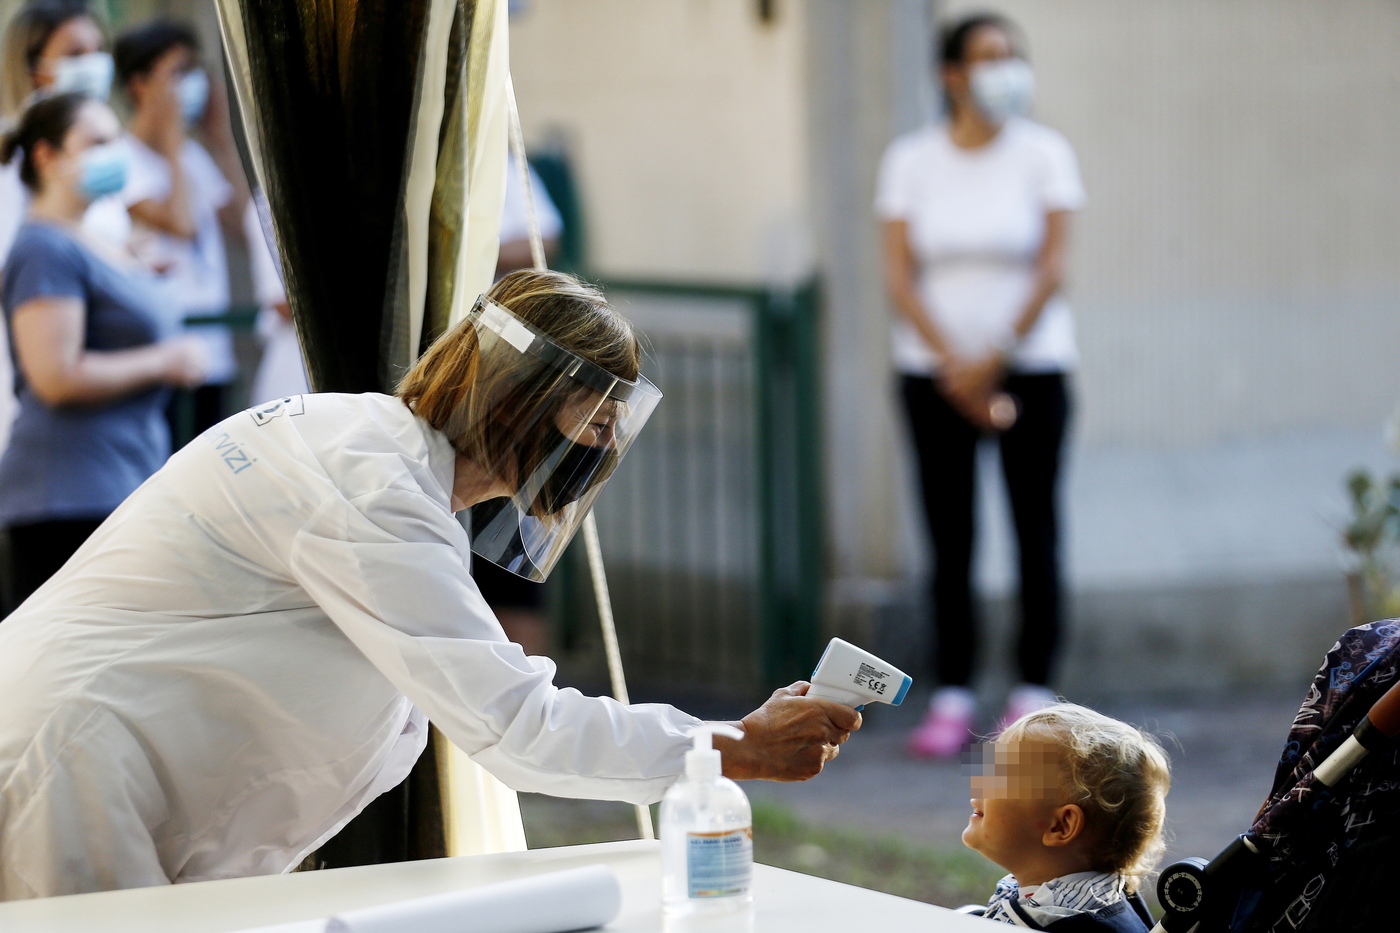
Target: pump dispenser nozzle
[703, 761]
[706, 834]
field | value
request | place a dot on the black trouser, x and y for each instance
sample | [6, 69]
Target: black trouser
[504, 590]
[38, 550]
[191, 411]
[946, 443]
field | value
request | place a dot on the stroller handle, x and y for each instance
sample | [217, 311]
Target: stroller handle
[1385, 712]
[1195, 892]
[1380, 725]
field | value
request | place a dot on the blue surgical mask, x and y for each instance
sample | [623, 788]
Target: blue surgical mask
[88, 74]
[103, 169]
[194, 95]
[1003, 88]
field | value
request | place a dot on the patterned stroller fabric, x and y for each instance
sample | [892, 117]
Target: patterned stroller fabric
[1333, 851]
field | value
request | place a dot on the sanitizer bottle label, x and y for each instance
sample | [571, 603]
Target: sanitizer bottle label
[719, 864]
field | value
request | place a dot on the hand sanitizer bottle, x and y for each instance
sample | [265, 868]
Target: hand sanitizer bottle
[706, 835]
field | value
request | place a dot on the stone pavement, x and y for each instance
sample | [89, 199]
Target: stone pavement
[1223, 748]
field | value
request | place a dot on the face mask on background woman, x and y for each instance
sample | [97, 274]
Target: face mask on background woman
[193, 90]
[87, 74]
[102, 169]
[1003, 88]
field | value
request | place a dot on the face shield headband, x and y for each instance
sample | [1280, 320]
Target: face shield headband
[548, 424]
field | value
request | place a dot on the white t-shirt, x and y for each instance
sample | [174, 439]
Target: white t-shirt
[13, 202]
[195, 272]
[976, 224]
[515, 224]
[281, 372]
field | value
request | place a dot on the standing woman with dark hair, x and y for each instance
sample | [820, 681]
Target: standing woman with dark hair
[181, 196]
[50, 46]
[976, 220]
[83, 323]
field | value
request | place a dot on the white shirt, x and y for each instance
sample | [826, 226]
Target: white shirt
[1084, 892]
[976, 224]
[281, 371]
[230, 668]
[194, 271]
[13, 204]
[515, 219]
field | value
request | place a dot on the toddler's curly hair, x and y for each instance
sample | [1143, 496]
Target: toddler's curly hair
[1118, 774]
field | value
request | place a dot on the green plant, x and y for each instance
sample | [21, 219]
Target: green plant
[1373, 538]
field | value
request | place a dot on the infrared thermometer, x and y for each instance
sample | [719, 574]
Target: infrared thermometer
[853, 677]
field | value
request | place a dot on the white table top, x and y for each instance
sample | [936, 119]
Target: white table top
[784, 900]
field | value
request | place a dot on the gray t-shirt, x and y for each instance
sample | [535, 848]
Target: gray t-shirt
[80, 461]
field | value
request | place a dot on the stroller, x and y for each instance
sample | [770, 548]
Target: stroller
[1326, 845]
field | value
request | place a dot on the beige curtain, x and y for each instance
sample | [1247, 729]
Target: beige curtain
[449, 221]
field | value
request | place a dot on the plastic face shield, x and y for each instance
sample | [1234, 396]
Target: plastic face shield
[552, 425]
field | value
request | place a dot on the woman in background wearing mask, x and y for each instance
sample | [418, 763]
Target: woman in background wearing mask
[179, 194]
[50, 46]
[84, 324]
[53, 45]
[976, 214]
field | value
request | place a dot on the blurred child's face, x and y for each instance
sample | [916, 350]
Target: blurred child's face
[1016, 787]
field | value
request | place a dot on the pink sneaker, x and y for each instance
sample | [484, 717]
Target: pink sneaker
[947, 726]
[1026, 698]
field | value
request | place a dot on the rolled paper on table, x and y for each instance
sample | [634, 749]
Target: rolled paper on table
[561, 901]
[577, 899]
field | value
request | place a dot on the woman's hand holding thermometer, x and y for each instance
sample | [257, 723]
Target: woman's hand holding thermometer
[789, 738]
[801, 727]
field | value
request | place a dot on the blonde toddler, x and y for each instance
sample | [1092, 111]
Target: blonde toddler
[1072, 804]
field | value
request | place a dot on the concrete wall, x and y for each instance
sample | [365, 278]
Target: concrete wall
[1235, 270]
[685, 121]
[866, 82]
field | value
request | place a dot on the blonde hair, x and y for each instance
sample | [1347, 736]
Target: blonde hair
[1118, 774]
[502, 418]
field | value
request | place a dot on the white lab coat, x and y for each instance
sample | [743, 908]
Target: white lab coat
[233, 665]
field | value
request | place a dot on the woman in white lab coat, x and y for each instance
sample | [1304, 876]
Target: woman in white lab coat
[245, 653]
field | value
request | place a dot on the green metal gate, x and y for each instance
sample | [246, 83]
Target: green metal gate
[711, 527]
